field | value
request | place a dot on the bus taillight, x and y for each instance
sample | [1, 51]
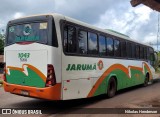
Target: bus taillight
[4, 72]
[51, 79]
[4, 77]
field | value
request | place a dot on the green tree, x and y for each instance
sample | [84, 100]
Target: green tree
[2, 39]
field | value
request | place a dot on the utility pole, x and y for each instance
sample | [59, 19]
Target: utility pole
[158, 30]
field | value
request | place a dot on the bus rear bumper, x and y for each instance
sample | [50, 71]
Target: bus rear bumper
[49, 93]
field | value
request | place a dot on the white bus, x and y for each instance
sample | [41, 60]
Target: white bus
[55, 57]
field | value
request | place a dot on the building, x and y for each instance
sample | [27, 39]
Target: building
[153, 4]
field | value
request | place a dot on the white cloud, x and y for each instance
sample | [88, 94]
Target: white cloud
[92, 44]
[143, 13]
[18, 15]
[133, 22]
[137, 22]
[2, 23]
[151, 38]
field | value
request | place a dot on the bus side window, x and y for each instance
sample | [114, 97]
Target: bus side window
[70, 39]
[92, 43]
[117, 48]
[129, 50]
[148, 54]
[110, 45]
[137, 51]
[102, 46]
[82, 42]
[123, 49]
[65, 38]
[133, 50]
[141, 52]
[151, 56]
[145, 53]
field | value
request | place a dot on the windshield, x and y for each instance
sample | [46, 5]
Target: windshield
[28, 32]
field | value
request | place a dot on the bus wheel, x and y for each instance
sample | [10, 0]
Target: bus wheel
[146, 80]
[112, 87]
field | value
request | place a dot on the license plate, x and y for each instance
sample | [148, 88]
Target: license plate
[24, 92]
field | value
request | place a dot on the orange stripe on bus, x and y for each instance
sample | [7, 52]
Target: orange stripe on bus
[31, 67]
[136, 68]
[107, 72]
[37, 71]
[150, 73]
[50, 93]
[114, 67]
[15, 68]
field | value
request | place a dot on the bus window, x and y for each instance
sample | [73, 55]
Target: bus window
[129, 50]
[148, 53]
[117, 49]
[65, 39]
[123, 49]
[141, 53]
[133, 50]
[145, 53]
[151, 56]
[102, 46]
[28, 32]
[110, 51]
[82, 42]
[92, 43]
[137, 51]
[70, 39]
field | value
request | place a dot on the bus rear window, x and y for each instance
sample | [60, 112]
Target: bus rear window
[30, 32]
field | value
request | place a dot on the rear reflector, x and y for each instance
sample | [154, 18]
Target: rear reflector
[51, 79]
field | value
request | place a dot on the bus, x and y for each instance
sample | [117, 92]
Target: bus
[55, 57]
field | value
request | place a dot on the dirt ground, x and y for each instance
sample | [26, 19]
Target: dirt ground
[133, 98]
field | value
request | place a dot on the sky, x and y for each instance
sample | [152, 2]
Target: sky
[139, 23]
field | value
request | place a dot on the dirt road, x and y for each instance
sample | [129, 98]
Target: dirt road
[137, 97]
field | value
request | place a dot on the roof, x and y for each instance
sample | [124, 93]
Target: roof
[118, 33]
[153, 4]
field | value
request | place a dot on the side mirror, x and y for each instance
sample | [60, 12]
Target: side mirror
[152, 57]
[156, 56]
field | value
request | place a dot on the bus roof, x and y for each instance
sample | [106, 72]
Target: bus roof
[117, 32]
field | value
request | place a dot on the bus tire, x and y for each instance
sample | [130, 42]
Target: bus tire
[112, 87]
[146, 80]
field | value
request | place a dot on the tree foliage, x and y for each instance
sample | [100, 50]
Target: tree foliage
[2, 39]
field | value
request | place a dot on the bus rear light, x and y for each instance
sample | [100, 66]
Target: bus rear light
[49, 82]
[51, 79]
[4, 77]
[4, 72]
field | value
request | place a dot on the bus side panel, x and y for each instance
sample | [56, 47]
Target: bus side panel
[76, 83]
[84, 76]
[74, 89]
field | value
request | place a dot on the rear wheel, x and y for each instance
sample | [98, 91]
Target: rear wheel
[146, 80]
[112, 87]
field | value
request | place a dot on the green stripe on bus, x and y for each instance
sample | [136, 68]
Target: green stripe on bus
[123, 81]
[18, 77]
